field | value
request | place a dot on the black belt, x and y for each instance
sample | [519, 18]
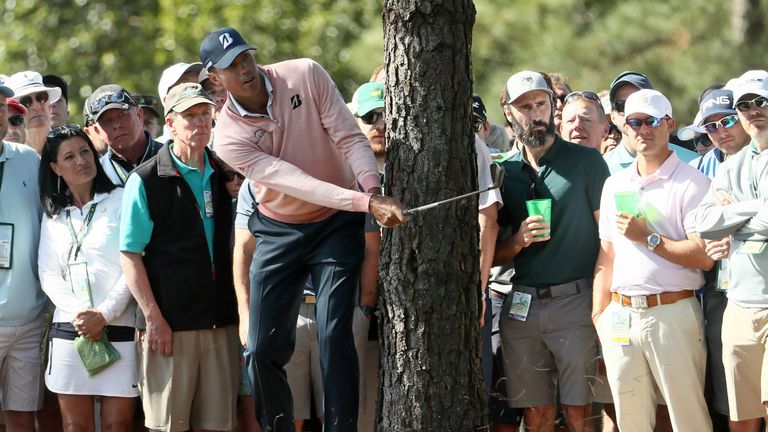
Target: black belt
[66, 331]
[552, 291]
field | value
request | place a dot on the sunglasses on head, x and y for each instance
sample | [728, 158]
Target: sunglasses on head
[636, 124]
[66, 129]
[122, 96]
[758, 102]
[41, 97]
[726, 122]
[371, 117]
[16, 120]
[582, 94]
[618, 106]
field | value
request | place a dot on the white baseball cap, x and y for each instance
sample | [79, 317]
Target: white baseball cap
[647, 101]
[523, 82]
[750, 82]
[28, 82]
[172, 74]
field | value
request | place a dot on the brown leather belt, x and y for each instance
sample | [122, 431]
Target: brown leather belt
[651, 300]
[310, 299]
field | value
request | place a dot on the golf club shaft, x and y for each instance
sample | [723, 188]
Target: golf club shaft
[445, 201]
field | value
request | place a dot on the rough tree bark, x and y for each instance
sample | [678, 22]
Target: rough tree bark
[430, 376]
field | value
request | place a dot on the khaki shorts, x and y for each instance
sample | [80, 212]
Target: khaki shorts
[746, 365]
[21, 383]
[194, 388]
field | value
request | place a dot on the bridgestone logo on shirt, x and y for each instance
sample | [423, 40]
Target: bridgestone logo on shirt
[296, 101]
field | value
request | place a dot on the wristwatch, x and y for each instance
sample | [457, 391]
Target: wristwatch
[653, 240]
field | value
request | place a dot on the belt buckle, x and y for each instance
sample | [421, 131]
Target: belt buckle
[640, 302]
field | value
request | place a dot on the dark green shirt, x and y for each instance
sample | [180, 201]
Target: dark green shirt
[572, 176]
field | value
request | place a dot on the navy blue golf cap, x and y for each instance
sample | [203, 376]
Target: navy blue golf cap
[629, 77]
[220, 47]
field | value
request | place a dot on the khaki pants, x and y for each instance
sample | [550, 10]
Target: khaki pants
[666, 348]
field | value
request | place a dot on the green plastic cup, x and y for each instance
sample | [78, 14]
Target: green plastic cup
[540, 207]
[627, 202]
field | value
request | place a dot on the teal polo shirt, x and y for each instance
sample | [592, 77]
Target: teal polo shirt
[136, 225]
[572, 176]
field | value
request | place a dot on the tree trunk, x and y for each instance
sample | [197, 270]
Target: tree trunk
[430, 376]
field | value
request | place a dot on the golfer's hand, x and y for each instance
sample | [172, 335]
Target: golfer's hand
[159, 335]
[718, 249]
[386, 210]
[531, 227]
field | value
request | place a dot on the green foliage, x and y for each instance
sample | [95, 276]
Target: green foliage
[682, 46]
[96, 42]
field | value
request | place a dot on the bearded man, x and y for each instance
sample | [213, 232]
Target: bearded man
[549, 344]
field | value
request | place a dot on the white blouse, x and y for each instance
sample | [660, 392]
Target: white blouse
[100, 249]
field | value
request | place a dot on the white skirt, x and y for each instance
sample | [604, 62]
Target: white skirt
[66, 374]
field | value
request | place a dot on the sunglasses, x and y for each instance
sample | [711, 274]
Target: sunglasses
[618, 106]
[371, 117]
[96, 105]
[40, 97]
[477, 126]
[725, 122]
[758, 102]
[703, 141]
[150, 101]
[636, 124]
[66, 130]
[582, 95]
[16, 120]
[613, 129]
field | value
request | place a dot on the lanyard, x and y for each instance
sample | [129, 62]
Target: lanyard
[119, 171]
[2, 168]
[77, 239]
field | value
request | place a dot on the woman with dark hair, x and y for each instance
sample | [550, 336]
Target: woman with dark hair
[79, 266]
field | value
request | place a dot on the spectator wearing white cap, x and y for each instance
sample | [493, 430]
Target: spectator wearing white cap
[23, 302]
[36, 97]
[717, 121]
[549, 345]
[172, 76]
[735, 207]
[650, 264]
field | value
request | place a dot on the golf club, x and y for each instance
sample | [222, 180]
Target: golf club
[497, 174]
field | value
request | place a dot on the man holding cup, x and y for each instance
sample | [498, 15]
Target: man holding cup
[650, 264]
[548, 342]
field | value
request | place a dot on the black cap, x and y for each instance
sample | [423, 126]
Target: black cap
[220, 47]
[629, 77]
[57, 81]
[478, 109]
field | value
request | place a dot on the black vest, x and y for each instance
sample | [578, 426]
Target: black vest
[192, 293]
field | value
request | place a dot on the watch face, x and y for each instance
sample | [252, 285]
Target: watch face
[653, 240]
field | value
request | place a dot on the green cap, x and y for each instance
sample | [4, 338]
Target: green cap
[184, 96]
[369, 97]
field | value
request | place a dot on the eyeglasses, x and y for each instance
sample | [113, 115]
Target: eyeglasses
[726, 122]
[652, 122]
[534, 176]
[122, 96]
[618, 106]
[16, 120]
[758, 102]
[41, 97]
[371, 117]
